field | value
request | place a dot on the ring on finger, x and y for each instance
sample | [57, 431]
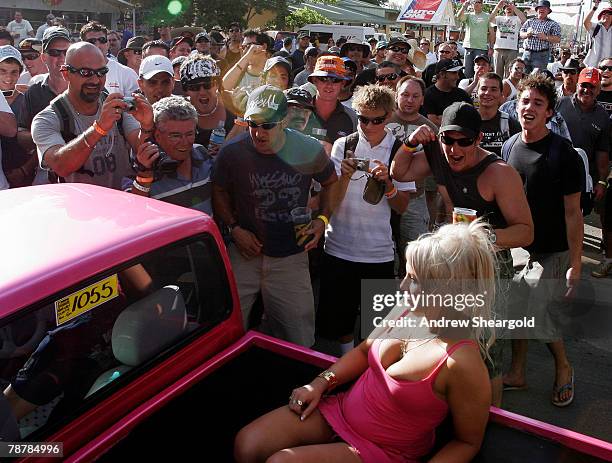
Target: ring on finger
[299, 403]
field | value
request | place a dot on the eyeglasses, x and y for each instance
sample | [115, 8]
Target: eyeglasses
[206, 85]
[373, 120]
[30, 56]
[265, 125]
[461, 141]
[605, 68]
[571, 72]
[86, 72]
[97, 39]
[54, 52]
[403, 50]
[388, 77]
[334, 80]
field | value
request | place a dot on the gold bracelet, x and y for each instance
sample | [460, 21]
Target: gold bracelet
[323, 219]
[330, 377]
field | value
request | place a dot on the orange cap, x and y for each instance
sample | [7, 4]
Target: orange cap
[590, 76]
[329, 66]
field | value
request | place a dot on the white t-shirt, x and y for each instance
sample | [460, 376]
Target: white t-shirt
[120, 79]
[359, 231]
[507, 32]
[22, 28]
[109, 161]
[601, 47]
[4, 108]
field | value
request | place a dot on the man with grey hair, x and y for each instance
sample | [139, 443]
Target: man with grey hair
[174, 169]
[84, 135]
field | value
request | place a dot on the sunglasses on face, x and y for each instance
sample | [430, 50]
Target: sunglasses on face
[333, 80]
[30, 56]
[571, 72]
[97, 39]
[605, 68]
[461, 141]
[373, 120]
[54, 52]
[206, 85]
[265, 125]
[445, 52]
[388, 77]
[86, 72]
[399, 50]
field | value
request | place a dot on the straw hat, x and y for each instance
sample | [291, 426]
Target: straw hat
[415, 55]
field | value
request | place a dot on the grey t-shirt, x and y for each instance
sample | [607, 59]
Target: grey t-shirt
[109, 161]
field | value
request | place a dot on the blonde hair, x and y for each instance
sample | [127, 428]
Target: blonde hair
[458, 258]
[374, 97]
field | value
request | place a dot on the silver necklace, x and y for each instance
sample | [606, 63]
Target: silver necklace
[213, 111]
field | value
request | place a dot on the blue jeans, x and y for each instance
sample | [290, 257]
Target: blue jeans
[468, 60]
[536, 59]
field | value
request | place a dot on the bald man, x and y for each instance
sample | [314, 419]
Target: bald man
[90, 143]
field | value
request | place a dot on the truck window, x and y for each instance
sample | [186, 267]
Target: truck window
[59, 357]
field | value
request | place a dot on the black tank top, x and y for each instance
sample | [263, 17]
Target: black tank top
[462, 187]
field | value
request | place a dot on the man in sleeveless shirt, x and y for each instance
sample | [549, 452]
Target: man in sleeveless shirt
[470, 177]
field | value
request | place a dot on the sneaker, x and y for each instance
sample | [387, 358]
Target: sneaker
[604, 269]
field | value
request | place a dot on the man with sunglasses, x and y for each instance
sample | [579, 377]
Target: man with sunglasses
[445, 51]
[30, 54]
[605, 96]
[258, 179]
[470, 177]
[247, 71]
[331, 119]
[114, 42]
[388, 74]
[444, 92]
[569, 74]
[8, 124]
[397, 52]
[297, 57]
[600, 34]
[201, 81]
[120, 78]
[233, 49]
[77, 137]
[55, 43]
[131, 55]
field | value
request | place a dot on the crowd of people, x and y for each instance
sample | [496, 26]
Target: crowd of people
[328, 164]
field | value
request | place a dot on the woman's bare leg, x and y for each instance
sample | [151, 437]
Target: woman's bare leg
[277, 430]
[338, 452]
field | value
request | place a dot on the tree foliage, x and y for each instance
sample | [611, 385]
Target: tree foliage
[299, 18]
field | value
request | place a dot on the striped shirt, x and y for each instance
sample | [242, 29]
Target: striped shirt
[547, 26]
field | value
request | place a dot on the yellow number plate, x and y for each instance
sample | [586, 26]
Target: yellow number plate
[85, 299]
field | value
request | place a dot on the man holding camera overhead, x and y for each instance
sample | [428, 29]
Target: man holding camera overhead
[507, 29]
[84, 135]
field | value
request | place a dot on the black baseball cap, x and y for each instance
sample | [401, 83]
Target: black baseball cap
[451, 65]
[461, 117]
[52, 33]
[397, 40]
[299, 96]
[484, 57]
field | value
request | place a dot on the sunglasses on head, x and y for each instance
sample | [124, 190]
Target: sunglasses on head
[54, 52]
[97, 39]
[334, 80]
[388, 77]
[605, 68]
[30, 56]
[205, 84]
[403, 50]
[373, 120]
[86, 72]
[264, 125]
[461, 141]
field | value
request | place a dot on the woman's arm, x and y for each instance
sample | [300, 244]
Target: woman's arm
[468, 393]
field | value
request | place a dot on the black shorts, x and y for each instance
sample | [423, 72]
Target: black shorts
[340, 293]
[607, 225]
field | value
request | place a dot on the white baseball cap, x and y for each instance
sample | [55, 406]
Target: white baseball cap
[154, 64]
[7, 51]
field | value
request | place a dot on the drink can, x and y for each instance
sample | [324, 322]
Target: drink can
[463, 215]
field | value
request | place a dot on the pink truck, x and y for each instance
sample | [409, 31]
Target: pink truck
[122, 336]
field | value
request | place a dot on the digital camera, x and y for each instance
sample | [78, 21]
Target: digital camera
[362, 164]
[130, 101]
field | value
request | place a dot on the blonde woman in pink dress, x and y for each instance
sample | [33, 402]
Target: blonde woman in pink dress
[402, 388]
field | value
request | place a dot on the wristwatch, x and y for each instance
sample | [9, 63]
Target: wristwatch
[492, 236]
[231, 226]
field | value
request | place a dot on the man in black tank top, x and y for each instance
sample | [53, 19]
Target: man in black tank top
[470, 177]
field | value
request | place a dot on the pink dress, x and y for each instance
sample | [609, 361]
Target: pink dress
[385, 419]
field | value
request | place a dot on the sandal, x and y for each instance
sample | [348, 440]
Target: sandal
[558, 391]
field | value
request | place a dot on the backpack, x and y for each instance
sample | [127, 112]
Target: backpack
[67, 131]
[554, 161]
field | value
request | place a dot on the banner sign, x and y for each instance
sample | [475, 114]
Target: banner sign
[438, 12]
